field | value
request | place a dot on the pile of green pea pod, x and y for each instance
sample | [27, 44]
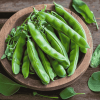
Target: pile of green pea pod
[49, 41]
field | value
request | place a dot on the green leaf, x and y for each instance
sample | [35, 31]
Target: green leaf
[13, 32]
[31, 73]
[35, 93]
[94, 82]
[7, 49]
[96, 75]
[12, 40]
[84, 10]
[4, 56]
[8, 38]
[68, 92]
[43, 10]
[95, 60]
[7, 86]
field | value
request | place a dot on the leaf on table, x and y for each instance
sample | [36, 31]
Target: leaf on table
[96, 75]
[95, 60]
[84, 10]
[7, 86]
[35, 93]
[68, 92]
[94, 82]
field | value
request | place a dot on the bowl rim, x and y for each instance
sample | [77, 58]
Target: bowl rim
[36, 84]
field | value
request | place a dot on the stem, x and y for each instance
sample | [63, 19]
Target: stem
[95, 20]
[79, 93]
[27, 18]
[48, 96]
[96, 23]
[32, 73]
[23, 86]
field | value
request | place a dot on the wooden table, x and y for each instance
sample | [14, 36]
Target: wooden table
[9, 7]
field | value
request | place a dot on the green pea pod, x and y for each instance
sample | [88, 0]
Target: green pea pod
[26, 65]
[59, 69]
[36, 63]
[58, 16]
[43, 44]
[74, 55]
[46, 64]
[61, 26]
[72, 22]
[55, 43]
[63, 38]
[48, 43]
[17, 55]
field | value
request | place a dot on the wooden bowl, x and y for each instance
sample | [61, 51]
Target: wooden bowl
[34, 83]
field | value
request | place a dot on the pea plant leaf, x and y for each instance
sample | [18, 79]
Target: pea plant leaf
[68, 92]
[96, 75]
[4, 56]
[84, 10]
[7, 86]
[94, 82]
[95, 60]
[12, 40]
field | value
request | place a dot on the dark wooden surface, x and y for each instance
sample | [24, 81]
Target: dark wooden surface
[9, 7]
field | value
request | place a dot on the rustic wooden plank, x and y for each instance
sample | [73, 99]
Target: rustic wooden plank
[15, 5]
[6, 14]
[2, 21]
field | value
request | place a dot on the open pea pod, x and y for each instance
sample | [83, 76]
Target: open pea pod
[61, 26]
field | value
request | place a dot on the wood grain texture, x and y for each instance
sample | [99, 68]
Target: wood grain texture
[16, 5]
[16, 20]
[81, 84]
